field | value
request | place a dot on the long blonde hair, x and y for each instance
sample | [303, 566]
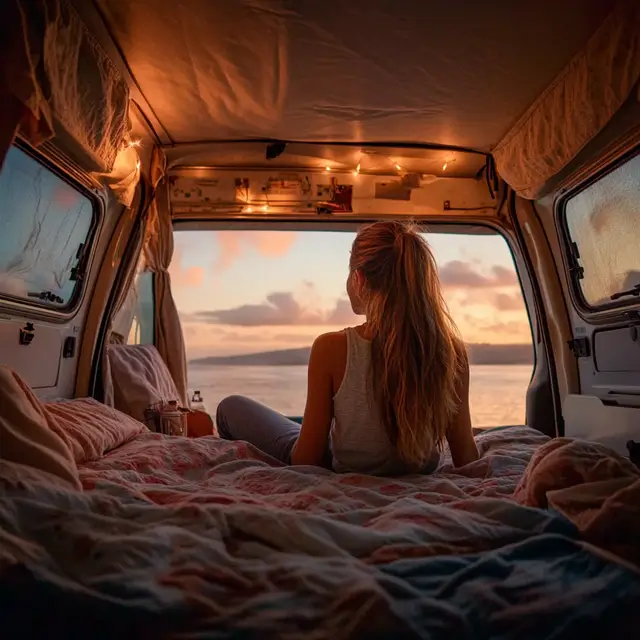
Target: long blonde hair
[417, 355]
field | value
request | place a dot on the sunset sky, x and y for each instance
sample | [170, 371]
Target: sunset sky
[248, 291]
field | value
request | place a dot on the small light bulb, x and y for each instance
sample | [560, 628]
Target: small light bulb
[248, 209]
[398, 167]
[266, 207]
[328, 168]
[444, 166]
[358, 168]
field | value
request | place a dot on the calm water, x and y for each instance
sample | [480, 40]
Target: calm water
[497, 391]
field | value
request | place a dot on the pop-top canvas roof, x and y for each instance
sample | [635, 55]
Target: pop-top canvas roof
[438, 71]
[530, 83]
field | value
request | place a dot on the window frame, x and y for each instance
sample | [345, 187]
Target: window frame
[257, 224]
[34, 307]
[585, 310]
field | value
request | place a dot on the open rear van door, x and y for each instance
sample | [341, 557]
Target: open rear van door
[598, 224]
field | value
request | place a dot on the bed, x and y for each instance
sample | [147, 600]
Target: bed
[202, 538]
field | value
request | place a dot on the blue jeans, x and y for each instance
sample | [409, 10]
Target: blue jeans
[240, 418]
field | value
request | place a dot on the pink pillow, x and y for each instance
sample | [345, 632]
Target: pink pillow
[140, 378]
[27, 435]
[91, 428]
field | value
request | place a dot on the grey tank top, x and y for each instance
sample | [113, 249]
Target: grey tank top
[359, 440]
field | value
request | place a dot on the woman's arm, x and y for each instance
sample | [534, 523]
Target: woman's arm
[460, 434]
[312, 442]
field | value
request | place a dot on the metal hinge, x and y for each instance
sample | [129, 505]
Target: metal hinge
[581, 347]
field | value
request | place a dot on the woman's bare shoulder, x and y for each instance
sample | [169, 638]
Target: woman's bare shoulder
[330, 340]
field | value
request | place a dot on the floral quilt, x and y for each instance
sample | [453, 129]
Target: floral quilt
[202, 538]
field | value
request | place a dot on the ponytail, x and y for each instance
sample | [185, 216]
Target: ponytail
[417, 355]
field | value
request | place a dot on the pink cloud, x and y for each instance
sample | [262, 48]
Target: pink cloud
[271, 244]
[280, 309]
[507, 302]
[459, 274]
[181, 277]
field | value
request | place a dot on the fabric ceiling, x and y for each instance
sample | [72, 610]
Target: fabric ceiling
[453, 73]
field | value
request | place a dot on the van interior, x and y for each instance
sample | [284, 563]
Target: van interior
[158, 162]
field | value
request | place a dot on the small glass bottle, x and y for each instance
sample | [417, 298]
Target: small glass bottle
[197, 402]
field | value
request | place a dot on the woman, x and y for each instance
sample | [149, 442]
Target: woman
[383, 396]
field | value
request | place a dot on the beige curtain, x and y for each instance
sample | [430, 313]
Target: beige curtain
[158, 251]
[22, 104]
[66, 82]
[576, 106]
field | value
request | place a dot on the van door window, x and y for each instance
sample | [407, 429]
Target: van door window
[251, 303]
[45, 224]
[135, 320]
[603, 222]
[141, 330]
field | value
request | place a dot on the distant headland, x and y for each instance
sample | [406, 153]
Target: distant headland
[481, 354]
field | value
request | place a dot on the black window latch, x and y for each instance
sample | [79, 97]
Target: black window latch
[634, 291]
[581, 347]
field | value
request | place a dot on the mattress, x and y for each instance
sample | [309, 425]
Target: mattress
[202, 538]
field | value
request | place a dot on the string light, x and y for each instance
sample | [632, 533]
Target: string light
[248, 209]
[398, 167]
[328, 168]
[266, 207]
[444, 166]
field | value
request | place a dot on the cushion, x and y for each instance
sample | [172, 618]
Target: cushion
[140, 378]
[90, 428]
[590, 485]
[562, 463]
[26, 433]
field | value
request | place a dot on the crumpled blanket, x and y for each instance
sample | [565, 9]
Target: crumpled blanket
[166, 470]
[183, 538]
[591, 485]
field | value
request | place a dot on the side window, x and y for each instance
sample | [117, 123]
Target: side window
[603, 224]
[45, 225]
[252, 302]
[134, 323]
[142, 326]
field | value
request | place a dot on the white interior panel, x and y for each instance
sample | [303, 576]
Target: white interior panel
[39, 362]
[585, 417]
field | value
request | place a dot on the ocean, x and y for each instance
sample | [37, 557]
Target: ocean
[497, 395]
